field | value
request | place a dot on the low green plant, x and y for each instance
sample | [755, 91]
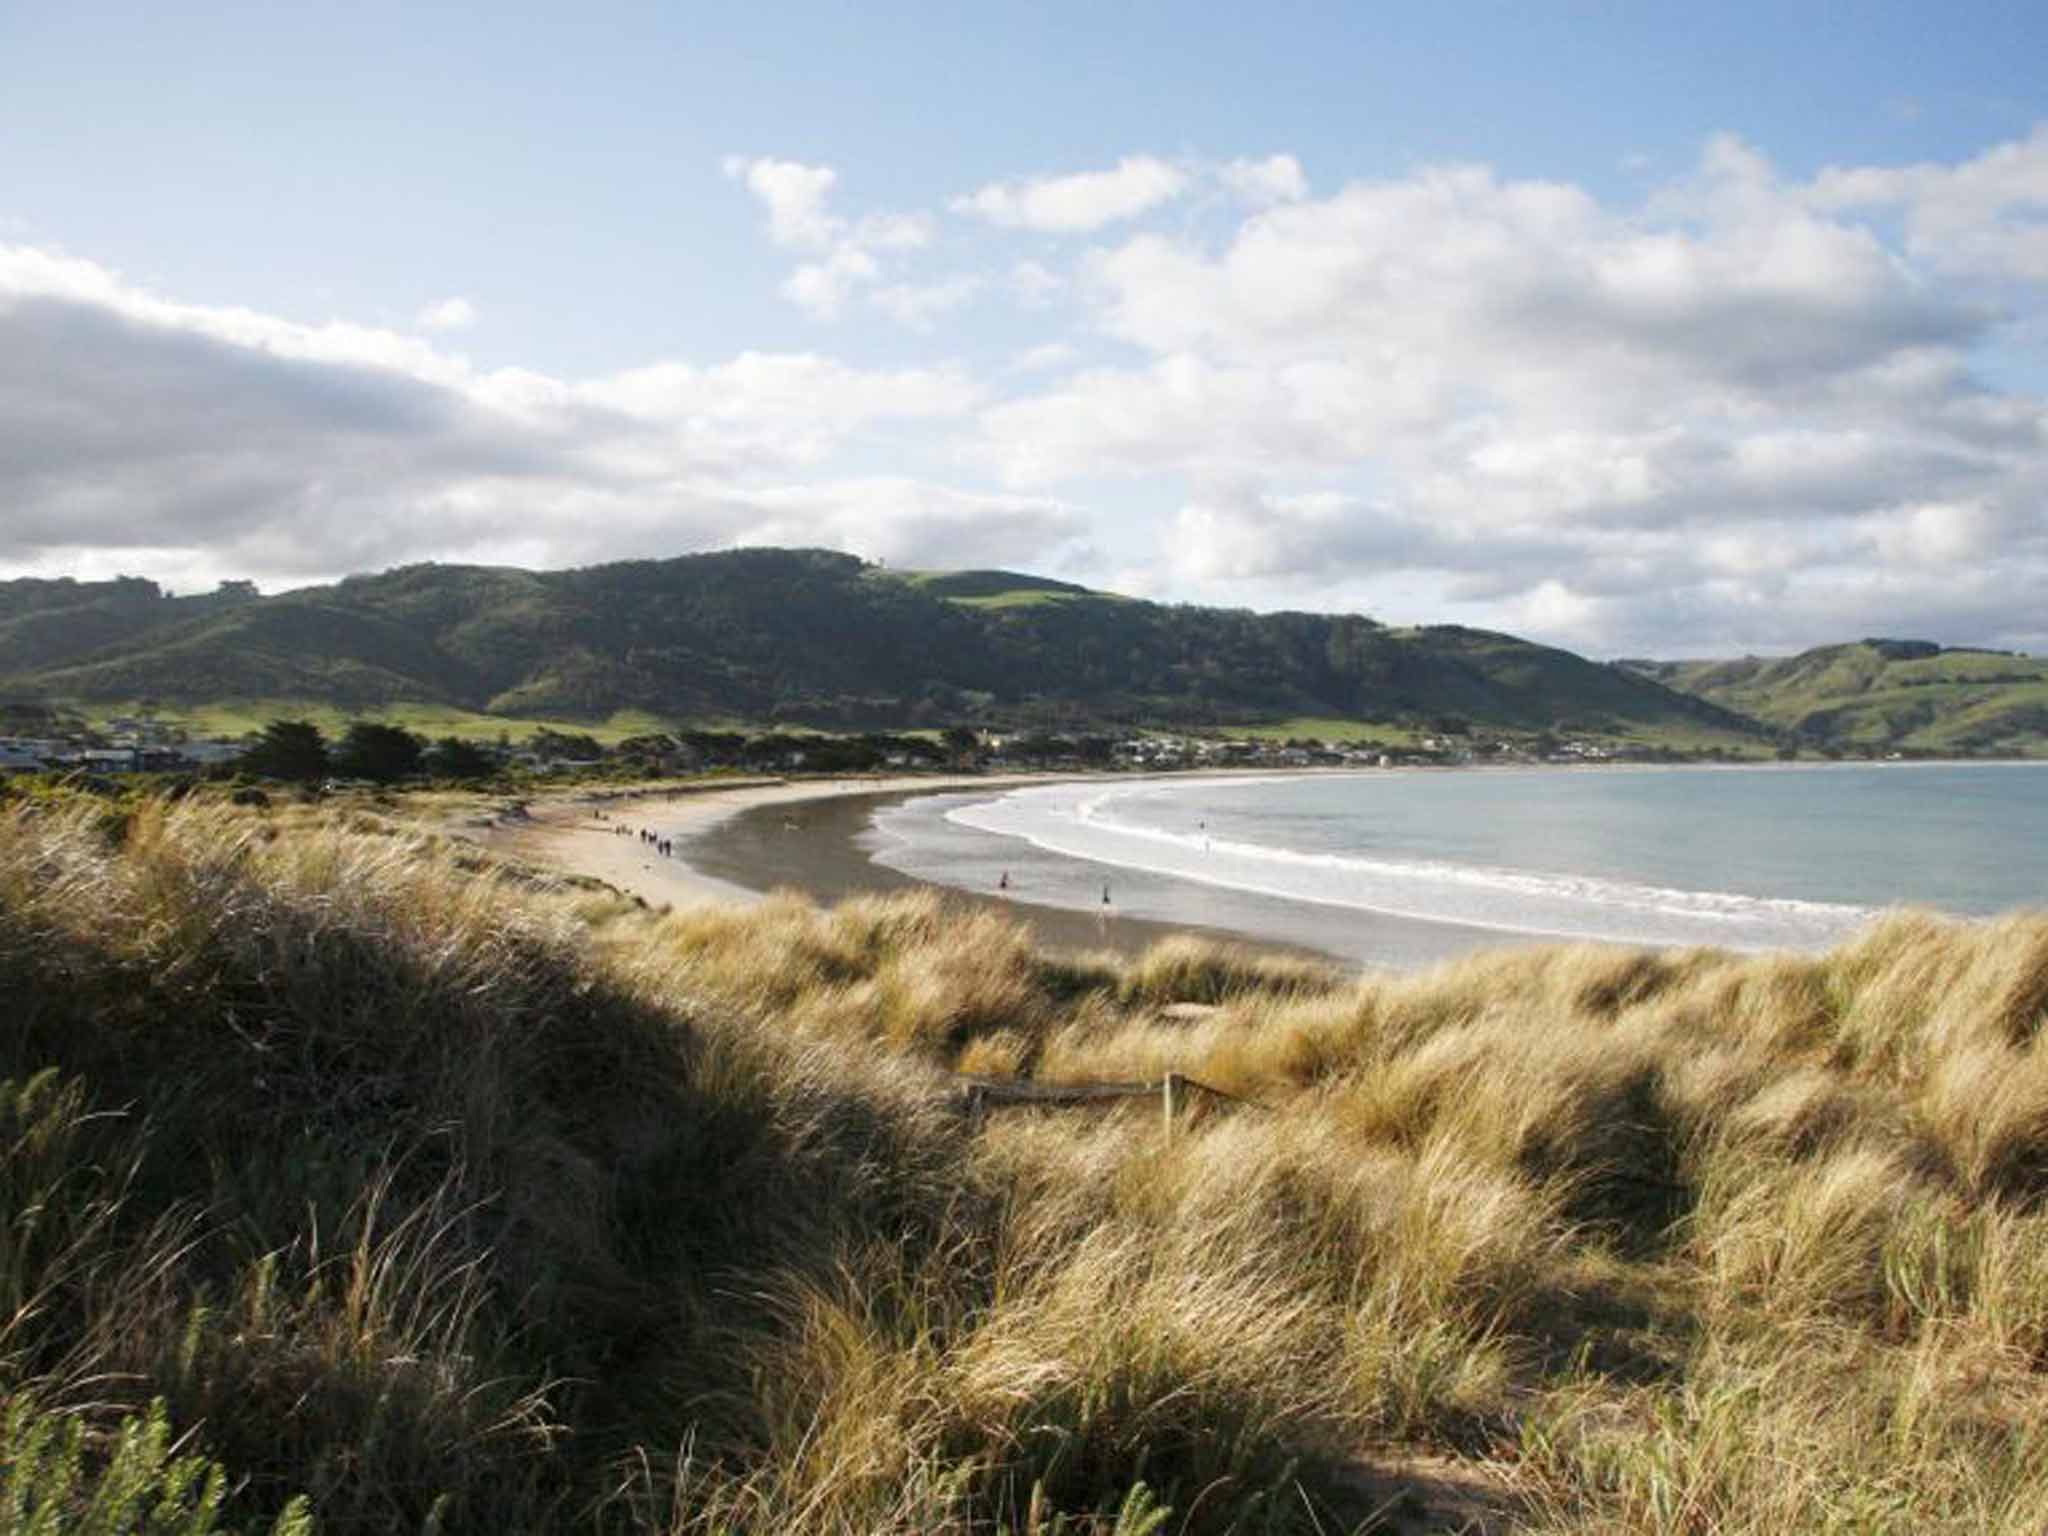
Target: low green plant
[133, 1479]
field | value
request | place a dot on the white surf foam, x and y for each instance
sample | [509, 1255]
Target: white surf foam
[1079, 821]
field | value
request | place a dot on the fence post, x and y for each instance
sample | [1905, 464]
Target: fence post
[1166, 1090]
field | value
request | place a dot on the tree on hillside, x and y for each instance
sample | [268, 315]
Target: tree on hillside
[454, 758]
[382, 753]
[288, 749]
[557, 745]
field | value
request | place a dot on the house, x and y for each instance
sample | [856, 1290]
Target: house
[111, 759]
[203, 754]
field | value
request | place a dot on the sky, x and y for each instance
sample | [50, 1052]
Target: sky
[1646, 330]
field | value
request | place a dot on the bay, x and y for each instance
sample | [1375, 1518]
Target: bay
[1405, 867]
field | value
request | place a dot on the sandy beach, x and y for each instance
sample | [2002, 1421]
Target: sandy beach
[596, 833]
[811, 848]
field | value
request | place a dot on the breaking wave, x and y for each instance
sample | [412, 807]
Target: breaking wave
[1080, 821]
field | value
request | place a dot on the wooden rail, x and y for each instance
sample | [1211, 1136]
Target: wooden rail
[981, 1094]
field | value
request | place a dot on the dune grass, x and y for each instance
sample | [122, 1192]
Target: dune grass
[347, 1177]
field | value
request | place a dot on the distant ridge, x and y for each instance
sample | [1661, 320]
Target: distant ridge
[1904, 695]
[807, 636]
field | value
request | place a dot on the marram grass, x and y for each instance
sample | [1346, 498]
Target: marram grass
[348, 1179]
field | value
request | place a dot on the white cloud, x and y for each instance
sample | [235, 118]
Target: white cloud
[1987, 216]
[821, 288]
[1736, 411]
[456, 314]
[1275, 179]
[1079, 203]
[893, 232]
[1035, 284]
[919, 305]
[1045, 357]
[1940, 533]
[774, 409]
[1187, 413]
[908, 522]
[1234, 533]
[142, 434]
[1743, 413]
[795, 196]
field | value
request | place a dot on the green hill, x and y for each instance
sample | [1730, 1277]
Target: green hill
[1902, 695]
[996, 589]
[806, 636]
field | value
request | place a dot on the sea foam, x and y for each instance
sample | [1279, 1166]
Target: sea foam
[1081, 821]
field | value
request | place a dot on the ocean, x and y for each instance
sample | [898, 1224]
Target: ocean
[1404, 867]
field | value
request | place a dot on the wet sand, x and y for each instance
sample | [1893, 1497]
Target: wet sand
[830, 850]
[814, 848]
[773, 834]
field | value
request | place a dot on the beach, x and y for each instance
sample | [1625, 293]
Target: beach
[777, 834]
[1375, 870]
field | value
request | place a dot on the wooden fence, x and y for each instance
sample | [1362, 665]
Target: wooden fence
[979, 1095]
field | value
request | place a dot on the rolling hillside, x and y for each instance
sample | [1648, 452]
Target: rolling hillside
[806, 636]
[1905, 695]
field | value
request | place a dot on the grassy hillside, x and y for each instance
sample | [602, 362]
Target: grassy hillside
[241, 717]
[1894, 694]
[49, 624]
[822, 639]
[439, 1198]
[1002, 589]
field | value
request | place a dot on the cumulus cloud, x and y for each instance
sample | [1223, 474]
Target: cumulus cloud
[1742, 412]
[1275, 179]
[201, 442]
[1986, 217]
[1065, 205]
[795, 197]
[1187, 413]
[1239, 532]
[911, 522]
[1740, 401]
[822, 287]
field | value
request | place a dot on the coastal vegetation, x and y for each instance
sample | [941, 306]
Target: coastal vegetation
[353, 1179]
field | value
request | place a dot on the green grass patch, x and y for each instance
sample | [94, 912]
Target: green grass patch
[239, 717]
[1326, 728]
[1023, 599]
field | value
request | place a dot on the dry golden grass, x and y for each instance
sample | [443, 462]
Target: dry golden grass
[436, 1195]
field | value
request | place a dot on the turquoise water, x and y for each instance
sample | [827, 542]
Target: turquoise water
[1401, 867]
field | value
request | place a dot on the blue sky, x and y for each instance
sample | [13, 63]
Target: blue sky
[1656, 330]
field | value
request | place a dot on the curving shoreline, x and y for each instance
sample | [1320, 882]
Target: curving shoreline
[797, 834]
[562, 831]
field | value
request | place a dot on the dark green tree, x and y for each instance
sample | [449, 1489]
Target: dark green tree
[288, 749]
[555, 745]
[454, 758]
[380, 753]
